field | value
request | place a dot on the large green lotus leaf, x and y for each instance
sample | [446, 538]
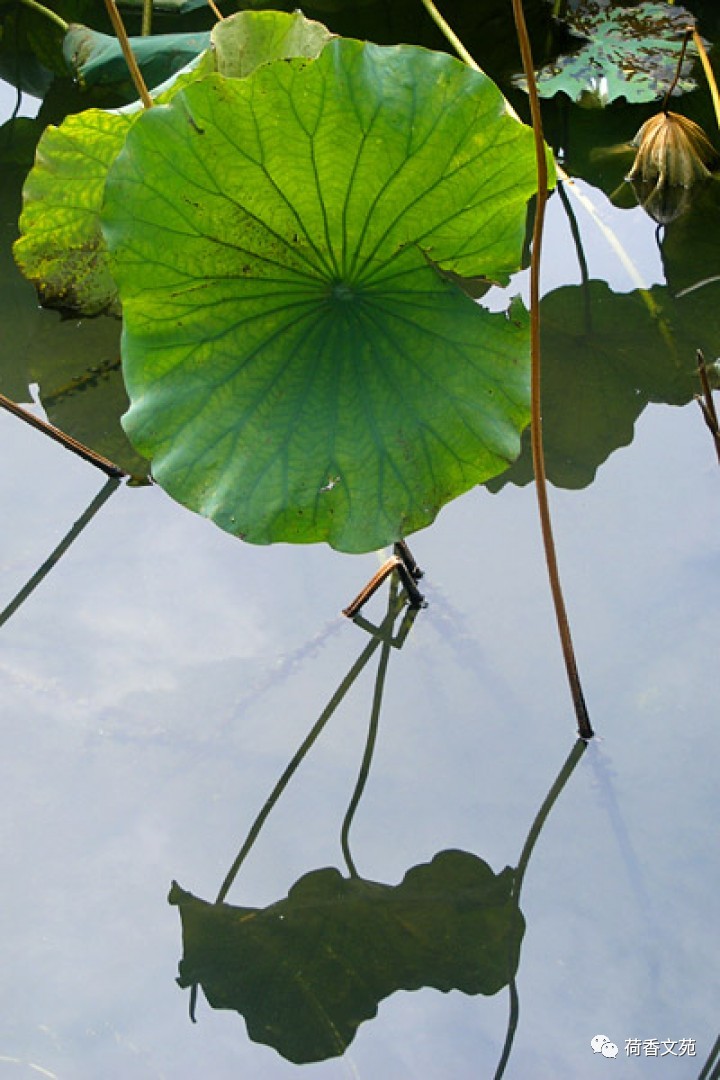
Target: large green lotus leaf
[297, 369]
[62, 249]
[308, 970]
[628, 52]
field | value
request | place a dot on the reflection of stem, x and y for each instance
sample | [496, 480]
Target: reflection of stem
[370, 744]
[511, 1029]
[104, 494]
[711, 1068]
[580, 251]
[302, 751]
[583, 719]
[65, 440]
[562, 778]
[540, 818]
[121, 34]
[48, 13]
[706, 403]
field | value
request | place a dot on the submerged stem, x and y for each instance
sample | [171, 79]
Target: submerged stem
[584, 727]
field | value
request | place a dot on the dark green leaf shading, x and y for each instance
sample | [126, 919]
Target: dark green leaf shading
[97, 59]
[308, 970]
[297, 369]
[76, 366]
[628, 52]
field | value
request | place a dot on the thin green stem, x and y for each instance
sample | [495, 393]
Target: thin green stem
[147, 15]
[709, 73]
[48, 13]
[448, 32]
[536, 435]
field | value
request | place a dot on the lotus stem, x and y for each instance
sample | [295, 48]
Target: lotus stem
[135, 73]
[536, 435]
[48, 13]
[450, 34]
[709, 73]
[584, 726]
[147, 15]
[108, 467]
[686, 37]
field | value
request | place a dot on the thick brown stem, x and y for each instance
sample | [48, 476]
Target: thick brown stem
[121, 34]
[584, 727]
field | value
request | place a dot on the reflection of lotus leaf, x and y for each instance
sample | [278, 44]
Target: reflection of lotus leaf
[306, 971]
[609, 354]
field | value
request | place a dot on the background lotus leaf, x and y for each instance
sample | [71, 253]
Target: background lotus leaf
[297, 369]
[62, 249]
[308, 970]
[96, 58]
[627, 52]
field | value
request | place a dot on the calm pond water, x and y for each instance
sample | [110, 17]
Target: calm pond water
[161, 677]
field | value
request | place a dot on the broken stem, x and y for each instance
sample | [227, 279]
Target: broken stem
[67, 441]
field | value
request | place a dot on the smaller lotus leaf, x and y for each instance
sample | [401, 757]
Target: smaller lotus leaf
[628, 52]
[97, 59]
[61, 248]
[308, 970]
